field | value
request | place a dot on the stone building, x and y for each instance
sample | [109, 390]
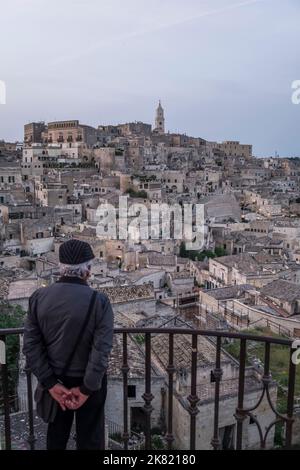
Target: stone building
[135, 128]
[255, 269]
[33, 132]
[10, 174]
[51, 194]
[69, 131]
[234, 149]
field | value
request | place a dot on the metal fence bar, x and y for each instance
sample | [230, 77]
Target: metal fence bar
[171, 370]
[147, 396]
[184, 331]
[193, 398]
[125, 370]
[290, 403]
[31, 437]
[239, 412]
[5, 389]
[217, 374]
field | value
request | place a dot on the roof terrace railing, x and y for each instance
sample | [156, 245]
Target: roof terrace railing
[241, 413]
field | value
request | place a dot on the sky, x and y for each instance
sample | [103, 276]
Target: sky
[223, 69]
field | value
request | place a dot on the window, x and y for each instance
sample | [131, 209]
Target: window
[131, 391]
[227, 437]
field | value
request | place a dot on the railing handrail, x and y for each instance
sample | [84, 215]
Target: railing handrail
[185, 331]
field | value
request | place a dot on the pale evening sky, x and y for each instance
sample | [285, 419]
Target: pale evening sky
[222, 68]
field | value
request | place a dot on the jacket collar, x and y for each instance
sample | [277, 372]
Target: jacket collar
[72, 280]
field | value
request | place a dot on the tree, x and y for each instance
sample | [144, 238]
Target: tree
[11, 317]
[200, 255]
[137, 194]
[219, 251]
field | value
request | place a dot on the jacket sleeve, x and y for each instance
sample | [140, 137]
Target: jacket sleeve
[101, 348]
[34, 348]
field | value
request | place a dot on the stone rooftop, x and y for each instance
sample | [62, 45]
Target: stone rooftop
[243, 262]
[182, 260]
[7, 276]
[183, 350]
[283, 290]
[22, 288]
[158, 259]
[228, 387]
[181, 275]
[295, 223]
[231, 292]
[20, 431]
[136, 359]
[253, 264]
[135, 276]
[128, 320]
[129, 293]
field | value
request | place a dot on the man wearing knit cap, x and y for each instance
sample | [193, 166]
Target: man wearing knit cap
[57, 315]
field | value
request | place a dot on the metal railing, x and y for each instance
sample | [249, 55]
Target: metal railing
[115, 431]
[241, 412]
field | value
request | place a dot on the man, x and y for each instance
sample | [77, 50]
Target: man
[55, 318]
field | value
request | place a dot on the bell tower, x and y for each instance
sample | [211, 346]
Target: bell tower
[160, 119]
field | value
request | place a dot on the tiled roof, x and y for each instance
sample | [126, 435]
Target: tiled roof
[283, 290]
[136, 360]
[243, 262]
[129, 293]
[158, 259]
[9, 275]
[183, 351]
[181, 275]
[228, 387]
[229, 292]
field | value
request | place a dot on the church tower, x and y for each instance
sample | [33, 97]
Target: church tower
[160, 120]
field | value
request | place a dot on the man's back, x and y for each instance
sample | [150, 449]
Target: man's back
[67, 341]
[57, 313]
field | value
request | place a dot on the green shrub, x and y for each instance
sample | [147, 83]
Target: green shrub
[140, 339]
[137, 194]
[11, 317]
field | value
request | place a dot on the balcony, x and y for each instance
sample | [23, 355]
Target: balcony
[198, 395]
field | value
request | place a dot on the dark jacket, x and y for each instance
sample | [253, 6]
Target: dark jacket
[55, 317]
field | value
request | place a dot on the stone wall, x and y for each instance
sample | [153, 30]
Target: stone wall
[205, 422]
[114, 402]
[136, 306]
[296, 429]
